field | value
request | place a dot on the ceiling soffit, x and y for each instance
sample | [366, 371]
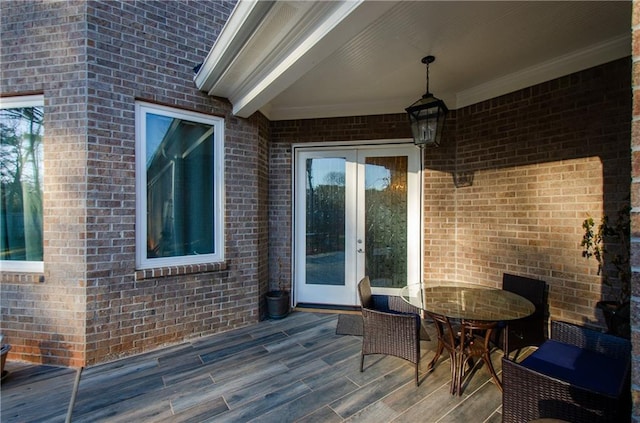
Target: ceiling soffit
[291, 38]
[304, 59]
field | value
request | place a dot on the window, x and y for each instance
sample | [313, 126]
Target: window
[179, 173]
[21, 173]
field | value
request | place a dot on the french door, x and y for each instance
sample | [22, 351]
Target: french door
[357, 213]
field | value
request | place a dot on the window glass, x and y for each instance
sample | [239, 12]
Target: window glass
[179, 173]
[21, 183]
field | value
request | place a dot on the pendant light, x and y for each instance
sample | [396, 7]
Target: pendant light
[427, 116]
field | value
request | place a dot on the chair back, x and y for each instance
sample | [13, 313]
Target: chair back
[536, 291]
[533, 290]
[364, 290]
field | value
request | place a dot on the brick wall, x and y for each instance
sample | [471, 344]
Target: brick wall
[92, 60]
[542, 160]
[635, 214]
[262, 211]
[44, 51]
[530, 167]
[146, 51]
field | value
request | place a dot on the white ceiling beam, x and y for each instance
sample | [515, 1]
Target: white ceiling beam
[337, 28]
[242, 23]
[333, 24]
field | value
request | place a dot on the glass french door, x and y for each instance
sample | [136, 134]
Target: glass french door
[357, 213]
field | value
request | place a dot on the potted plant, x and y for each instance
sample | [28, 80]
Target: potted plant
[278, 300]
[608, 243]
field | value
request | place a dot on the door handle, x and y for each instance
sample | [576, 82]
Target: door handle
[360, 250]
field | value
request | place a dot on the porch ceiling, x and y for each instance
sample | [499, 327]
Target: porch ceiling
[302, 59]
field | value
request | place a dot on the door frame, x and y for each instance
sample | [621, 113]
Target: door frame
[377, 144]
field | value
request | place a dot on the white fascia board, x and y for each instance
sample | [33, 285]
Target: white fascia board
[243, 21]
[342, 24]
[294, 64]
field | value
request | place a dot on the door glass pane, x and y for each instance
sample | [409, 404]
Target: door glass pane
[386, 221]
[325, 224]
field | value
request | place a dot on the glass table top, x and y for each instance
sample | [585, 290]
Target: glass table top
[472, 302]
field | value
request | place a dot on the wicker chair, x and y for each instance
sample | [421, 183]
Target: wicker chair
[579, 375]
[388, 332]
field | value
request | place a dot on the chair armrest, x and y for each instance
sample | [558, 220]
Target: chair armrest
[381, 321]
[391, 333]
[529, 395]
[590, 339]
[396, 303]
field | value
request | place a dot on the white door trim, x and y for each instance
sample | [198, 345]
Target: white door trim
[414, 237]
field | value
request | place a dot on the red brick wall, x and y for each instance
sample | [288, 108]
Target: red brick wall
[635, 214]
[543, 159]
[43, 49]
[262, 209]
[532, 165]
[151, 48]
[540, 159]
[92, 60]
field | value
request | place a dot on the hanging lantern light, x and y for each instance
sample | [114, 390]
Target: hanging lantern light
[427, 115]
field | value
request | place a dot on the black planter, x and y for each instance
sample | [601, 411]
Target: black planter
[616, 316]
[277, 304]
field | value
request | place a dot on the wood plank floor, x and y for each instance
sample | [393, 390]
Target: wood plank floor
[291, 370]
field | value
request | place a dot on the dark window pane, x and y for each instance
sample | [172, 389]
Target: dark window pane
[21, 173]
[180, 187]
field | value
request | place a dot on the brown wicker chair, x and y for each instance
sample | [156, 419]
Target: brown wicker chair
[579, 375]
[388, 332]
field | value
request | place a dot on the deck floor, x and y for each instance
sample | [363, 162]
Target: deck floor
[291, 370]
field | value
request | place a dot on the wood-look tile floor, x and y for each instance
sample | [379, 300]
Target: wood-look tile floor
[291, 370]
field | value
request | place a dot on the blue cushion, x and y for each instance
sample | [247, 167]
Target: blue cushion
[580, 367]
[381, 303]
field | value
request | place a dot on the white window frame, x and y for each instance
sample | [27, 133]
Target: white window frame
[14, 265]
[142, 261]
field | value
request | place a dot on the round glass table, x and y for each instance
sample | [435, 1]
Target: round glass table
[470, 302]
[475, 307]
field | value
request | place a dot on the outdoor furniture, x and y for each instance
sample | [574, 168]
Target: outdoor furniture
[476, 344]
[530, 330]
[579, 375]
[448, 339]
[475, 341]
[387, 331]
[471, 303]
